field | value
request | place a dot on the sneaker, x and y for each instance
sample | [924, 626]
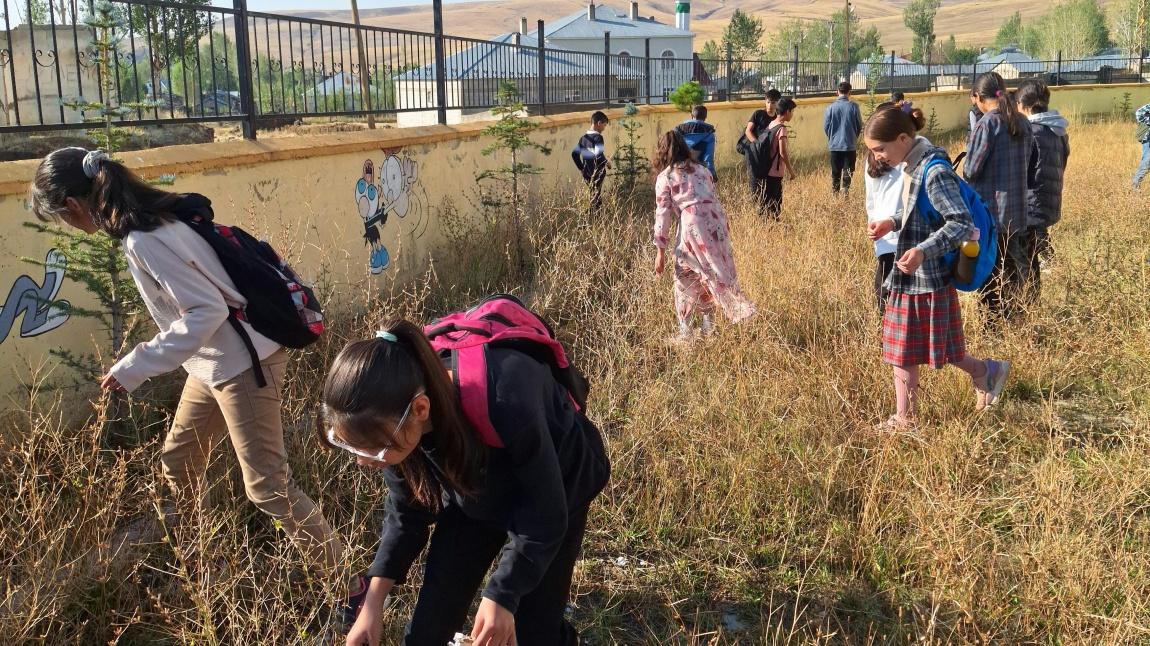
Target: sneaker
[708, 327]
[995, 380]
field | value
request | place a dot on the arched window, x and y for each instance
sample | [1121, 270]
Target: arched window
[668, 59]
[625, 59]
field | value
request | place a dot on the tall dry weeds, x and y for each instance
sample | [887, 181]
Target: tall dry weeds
[748, 500]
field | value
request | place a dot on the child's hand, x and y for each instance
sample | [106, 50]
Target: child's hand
[791, 175]
[494, 625]
[660, 262]
[910, 261]
[879, 228]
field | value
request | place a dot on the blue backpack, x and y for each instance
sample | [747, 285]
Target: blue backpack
[983, 221]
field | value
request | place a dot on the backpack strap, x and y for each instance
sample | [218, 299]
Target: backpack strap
[925, 207]
[234, 319]
[470, 373]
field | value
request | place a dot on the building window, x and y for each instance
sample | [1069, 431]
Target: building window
[668, 59]
[625, 59]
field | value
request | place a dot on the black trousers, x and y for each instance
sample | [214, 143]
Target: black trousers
[595, 190]
[1015, 281]
[882, 269]
[459, 557]
[768, 194]
[842, 169]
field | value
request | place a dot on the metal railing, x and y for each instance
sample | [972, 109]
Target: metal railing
[179, 63]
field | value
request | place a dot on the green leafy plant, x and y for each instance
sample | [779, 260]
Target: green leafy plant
[932, 122]
[873, 76]
[629, 160]
[687, 96]
[512, 134]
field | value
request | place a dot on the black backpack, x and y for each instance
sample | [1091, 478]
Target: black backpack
[761, 153]
[280, 305]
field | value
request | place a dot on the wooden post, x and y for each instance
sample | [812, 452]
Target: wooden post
[364, 79]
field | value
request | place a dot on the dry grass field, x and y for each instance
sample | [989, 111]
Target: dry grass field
[750, 502]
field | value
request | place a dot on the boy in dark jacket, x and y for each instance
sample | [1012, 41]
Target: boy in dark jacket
[700, 137]
[590, 158]
[842, 124]
[1047, 165]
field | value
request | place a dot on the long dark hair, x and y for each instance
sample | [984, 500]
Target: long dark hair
[671, 150]
[121, 202]
[990, 85]
[369, 385]
[876, 168]
[1034, 95]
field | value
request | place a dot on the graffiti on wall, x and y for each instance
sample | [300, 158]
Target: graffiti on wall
[37, 302]
[390, 189]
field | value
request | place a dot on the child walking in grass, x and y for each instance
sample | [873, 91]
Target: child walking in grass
[997, 167]
[922, 323]
[233, 389]
[705, 277]
[883, 199]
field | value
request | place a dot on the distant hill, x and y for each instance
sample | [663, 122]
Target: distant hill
[973, 22]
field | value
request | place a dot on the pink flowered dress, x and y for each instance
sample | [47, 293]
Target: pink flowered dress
[704, 264]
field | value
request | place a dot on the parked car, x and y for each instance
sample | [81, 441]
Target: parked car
[219, 103]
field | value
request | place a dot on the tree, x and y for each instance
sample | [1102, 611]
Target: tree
[1076, 28]
[687, 96]
[512, 134]
[174, 32]
[918, 16]
[710, 56]
[629, 158]
[822, 41]
[1128, 22]
[743, 36]
[1010, 33]
[950, 53]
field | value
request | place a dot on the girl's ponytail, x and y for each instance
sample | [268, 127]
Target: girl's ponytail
[119, 200]
[991, 86]
[369, 385]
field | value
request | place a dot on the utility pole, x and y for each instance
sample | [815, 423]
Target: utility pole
[364, 78]
[847, 40]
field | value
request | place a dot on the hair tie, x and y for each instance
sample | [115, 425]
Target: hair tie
[386, 336]
[92, 162]
[998, 94]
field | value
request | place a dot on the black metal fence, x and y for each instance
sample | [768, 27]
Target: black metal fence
[178, 63]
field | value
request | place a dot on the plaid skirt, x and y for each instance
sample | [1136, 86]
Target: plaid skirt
[922, 329]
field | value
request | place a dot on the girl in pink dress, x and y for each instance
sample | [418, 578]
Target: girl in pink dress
[704, 265]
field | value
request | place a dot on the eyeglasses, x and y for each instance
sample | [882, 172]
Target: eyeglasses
[378, 457]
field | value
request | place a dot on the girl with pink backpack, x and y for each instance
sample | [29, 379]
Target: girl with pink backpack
[477, 434]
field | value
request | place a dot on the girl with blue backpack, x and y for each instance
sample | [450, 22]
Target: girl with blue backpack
[484, 442]
[922, 322]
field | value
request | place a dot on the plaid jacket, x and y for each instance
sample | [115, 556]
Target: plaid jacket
[997, 166]
[915, 231]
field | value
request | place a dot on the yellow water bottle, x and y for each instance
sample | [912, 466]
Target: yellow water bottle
[967, 259]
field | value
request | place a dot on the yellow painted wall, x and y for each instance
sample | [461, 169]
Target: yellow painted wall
[300, 193]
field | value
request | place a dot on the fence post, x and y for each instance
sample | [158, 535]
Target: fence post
[1141, 57]
[606, 68]
[795, 74]
[892, 72]
[244, 69]
[730, 72]
[647, 67]
[973, 74]
[1058, 70]
[364, 73]
[440, 62]
[542, 71]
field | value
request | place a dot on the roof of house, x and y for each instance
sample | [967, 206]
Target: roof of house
[1012, 57]
[1112, 58]
[500, 58]
[902, 67]
[619, 23]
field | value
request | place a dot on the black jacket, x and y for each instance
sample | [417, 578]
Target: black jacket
[1047, 165]
[553, 461]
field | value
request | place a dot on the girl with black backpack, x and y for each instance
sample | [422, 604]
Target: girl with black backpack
[190, 296]
[393, 403]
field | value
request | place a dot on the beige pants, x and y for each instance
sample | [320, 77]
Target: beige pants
[250, 417]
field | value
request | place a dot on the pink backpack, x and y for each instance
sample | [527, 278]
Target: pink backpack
[503, 321]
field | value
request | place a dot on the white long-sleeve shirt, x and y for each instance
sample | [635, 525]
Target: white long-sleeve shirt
[188, 293]
[884, 200]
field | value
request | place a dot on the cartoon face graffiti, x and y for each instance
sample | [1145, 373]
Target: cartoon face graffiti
[367, 202]
[396, 193]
